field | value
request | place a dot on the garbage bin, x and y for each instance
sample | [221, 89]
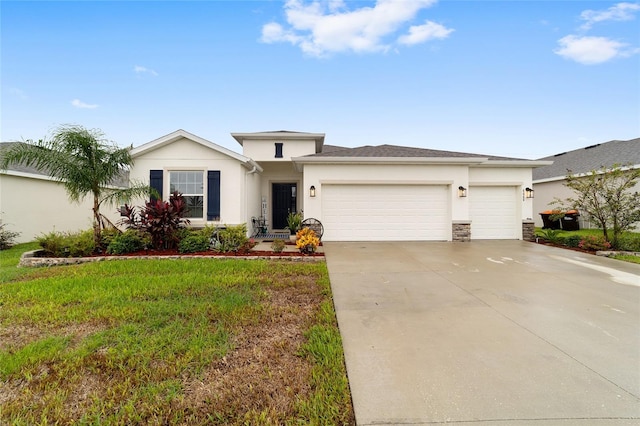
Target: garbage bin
[547, 223]
[570, 221]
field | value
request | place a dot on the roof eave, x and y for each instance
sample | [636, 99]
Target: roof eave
[388, 160]
[515, 163]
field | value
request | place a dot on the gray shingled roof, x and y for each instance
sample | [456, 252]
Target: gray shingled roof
[120, 181]
[590, 158]
[19, 167]
[392, 151]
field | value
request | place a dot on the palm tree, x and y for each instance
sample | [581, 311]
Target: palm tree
[84, 162]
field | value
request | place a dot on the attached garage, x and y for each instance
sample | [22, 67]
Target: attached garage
[386, 212]
[493, 211]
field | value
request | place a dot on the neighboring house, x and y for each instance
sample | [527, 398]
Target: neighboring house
[34, 204]
[548, 181]
[367, 193]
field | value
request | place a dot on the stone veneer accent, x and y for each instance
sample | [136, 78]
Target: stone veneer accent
[528, 230]
[461, 231]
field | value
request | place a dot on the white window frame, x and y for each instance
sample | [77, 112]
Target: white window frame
[185, 193]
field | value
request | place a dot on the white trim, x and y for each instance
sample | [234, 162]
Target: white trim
[385, 182]
[515, 163]
[179, 134]
[28, 175]
[494, 183]
[388, 160]
[48, 178]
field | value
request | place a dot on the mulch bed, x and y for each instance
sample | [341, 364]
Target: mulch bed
[175, 252]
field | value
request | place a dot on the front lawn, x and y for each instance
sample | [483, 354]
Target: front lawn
[193, 341]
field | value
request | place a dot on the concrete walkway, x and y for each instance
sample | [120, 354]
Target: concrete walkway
[487, 333]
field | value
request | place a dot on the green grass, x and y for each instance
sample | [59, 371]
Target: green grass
[9, 260]
[140, 341]
[627, 258]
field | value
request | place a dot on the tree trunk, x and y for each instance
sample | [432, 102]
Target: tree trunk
[96, 221]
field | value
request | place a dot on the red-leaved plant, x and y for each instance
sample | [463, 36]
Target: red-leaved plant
[161, 219]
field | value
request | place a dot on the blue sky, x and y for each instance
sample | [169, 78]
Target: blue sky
[514, 78]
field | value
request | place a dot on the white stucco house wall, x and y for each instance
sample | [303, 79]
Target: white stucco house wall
[367, 193]
[549, 181]
[34, 204]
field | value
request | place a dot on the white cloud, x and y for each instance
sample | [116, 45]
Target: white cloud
[320, 28]
[143, 70]
[592, 50]
[619, 12]
[421, 33]
[79, 104]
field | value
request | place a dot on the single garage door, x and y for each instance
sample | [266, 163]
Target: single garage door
[494, 213]
[385, 212]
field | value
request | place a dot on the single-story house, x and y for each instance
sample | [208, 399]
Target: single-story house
[381, 193]
[549, 181]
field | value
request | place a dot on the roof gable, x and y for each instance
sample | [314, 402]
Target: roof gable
[593, 157]
[183, 134]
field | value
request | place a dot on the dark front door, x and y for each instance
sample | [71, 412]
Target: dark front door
[284, 202]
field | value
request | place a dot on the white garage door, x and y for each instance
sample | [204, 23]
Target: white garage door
[493, 212]
[385, 212]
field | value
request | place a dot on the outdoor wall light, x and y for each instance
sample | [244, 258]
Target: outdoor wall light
[528, 192]
[462, 191]
[312, 191]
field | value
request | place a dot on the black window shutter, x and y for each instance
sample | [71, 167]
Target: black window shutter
[213, 195]
[155, 182]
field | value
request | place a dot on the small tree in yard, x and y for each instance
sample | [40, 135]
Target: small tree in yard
[607, 196]
[83, 162]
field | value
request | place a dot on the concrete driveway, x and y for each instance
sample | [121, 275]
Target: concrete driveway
[487, 333]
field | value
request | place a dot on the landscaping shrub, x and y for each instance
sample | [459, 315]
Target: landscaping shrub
[278, 245]
[593, 242]
[629, 242]
[572, 240]
[551, 235]
[163, 220]
[68, 244]
[233, 238]
[306, 241]
[6, 237]
[193, 243]
[129, 241]
[107, 235]
[208, 231]
[81, 243]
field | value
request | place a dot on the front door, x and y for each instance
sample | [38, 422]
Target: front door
[284, 202]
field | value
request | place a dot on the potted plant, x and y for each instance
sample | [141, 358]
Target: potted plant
[294, 220]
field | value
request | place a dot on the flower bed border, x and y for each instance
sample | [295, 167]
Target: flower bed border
[30, 259]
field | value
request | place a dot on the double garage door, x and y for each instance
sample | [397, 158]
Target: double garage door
[414, 212]
[386, 212]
